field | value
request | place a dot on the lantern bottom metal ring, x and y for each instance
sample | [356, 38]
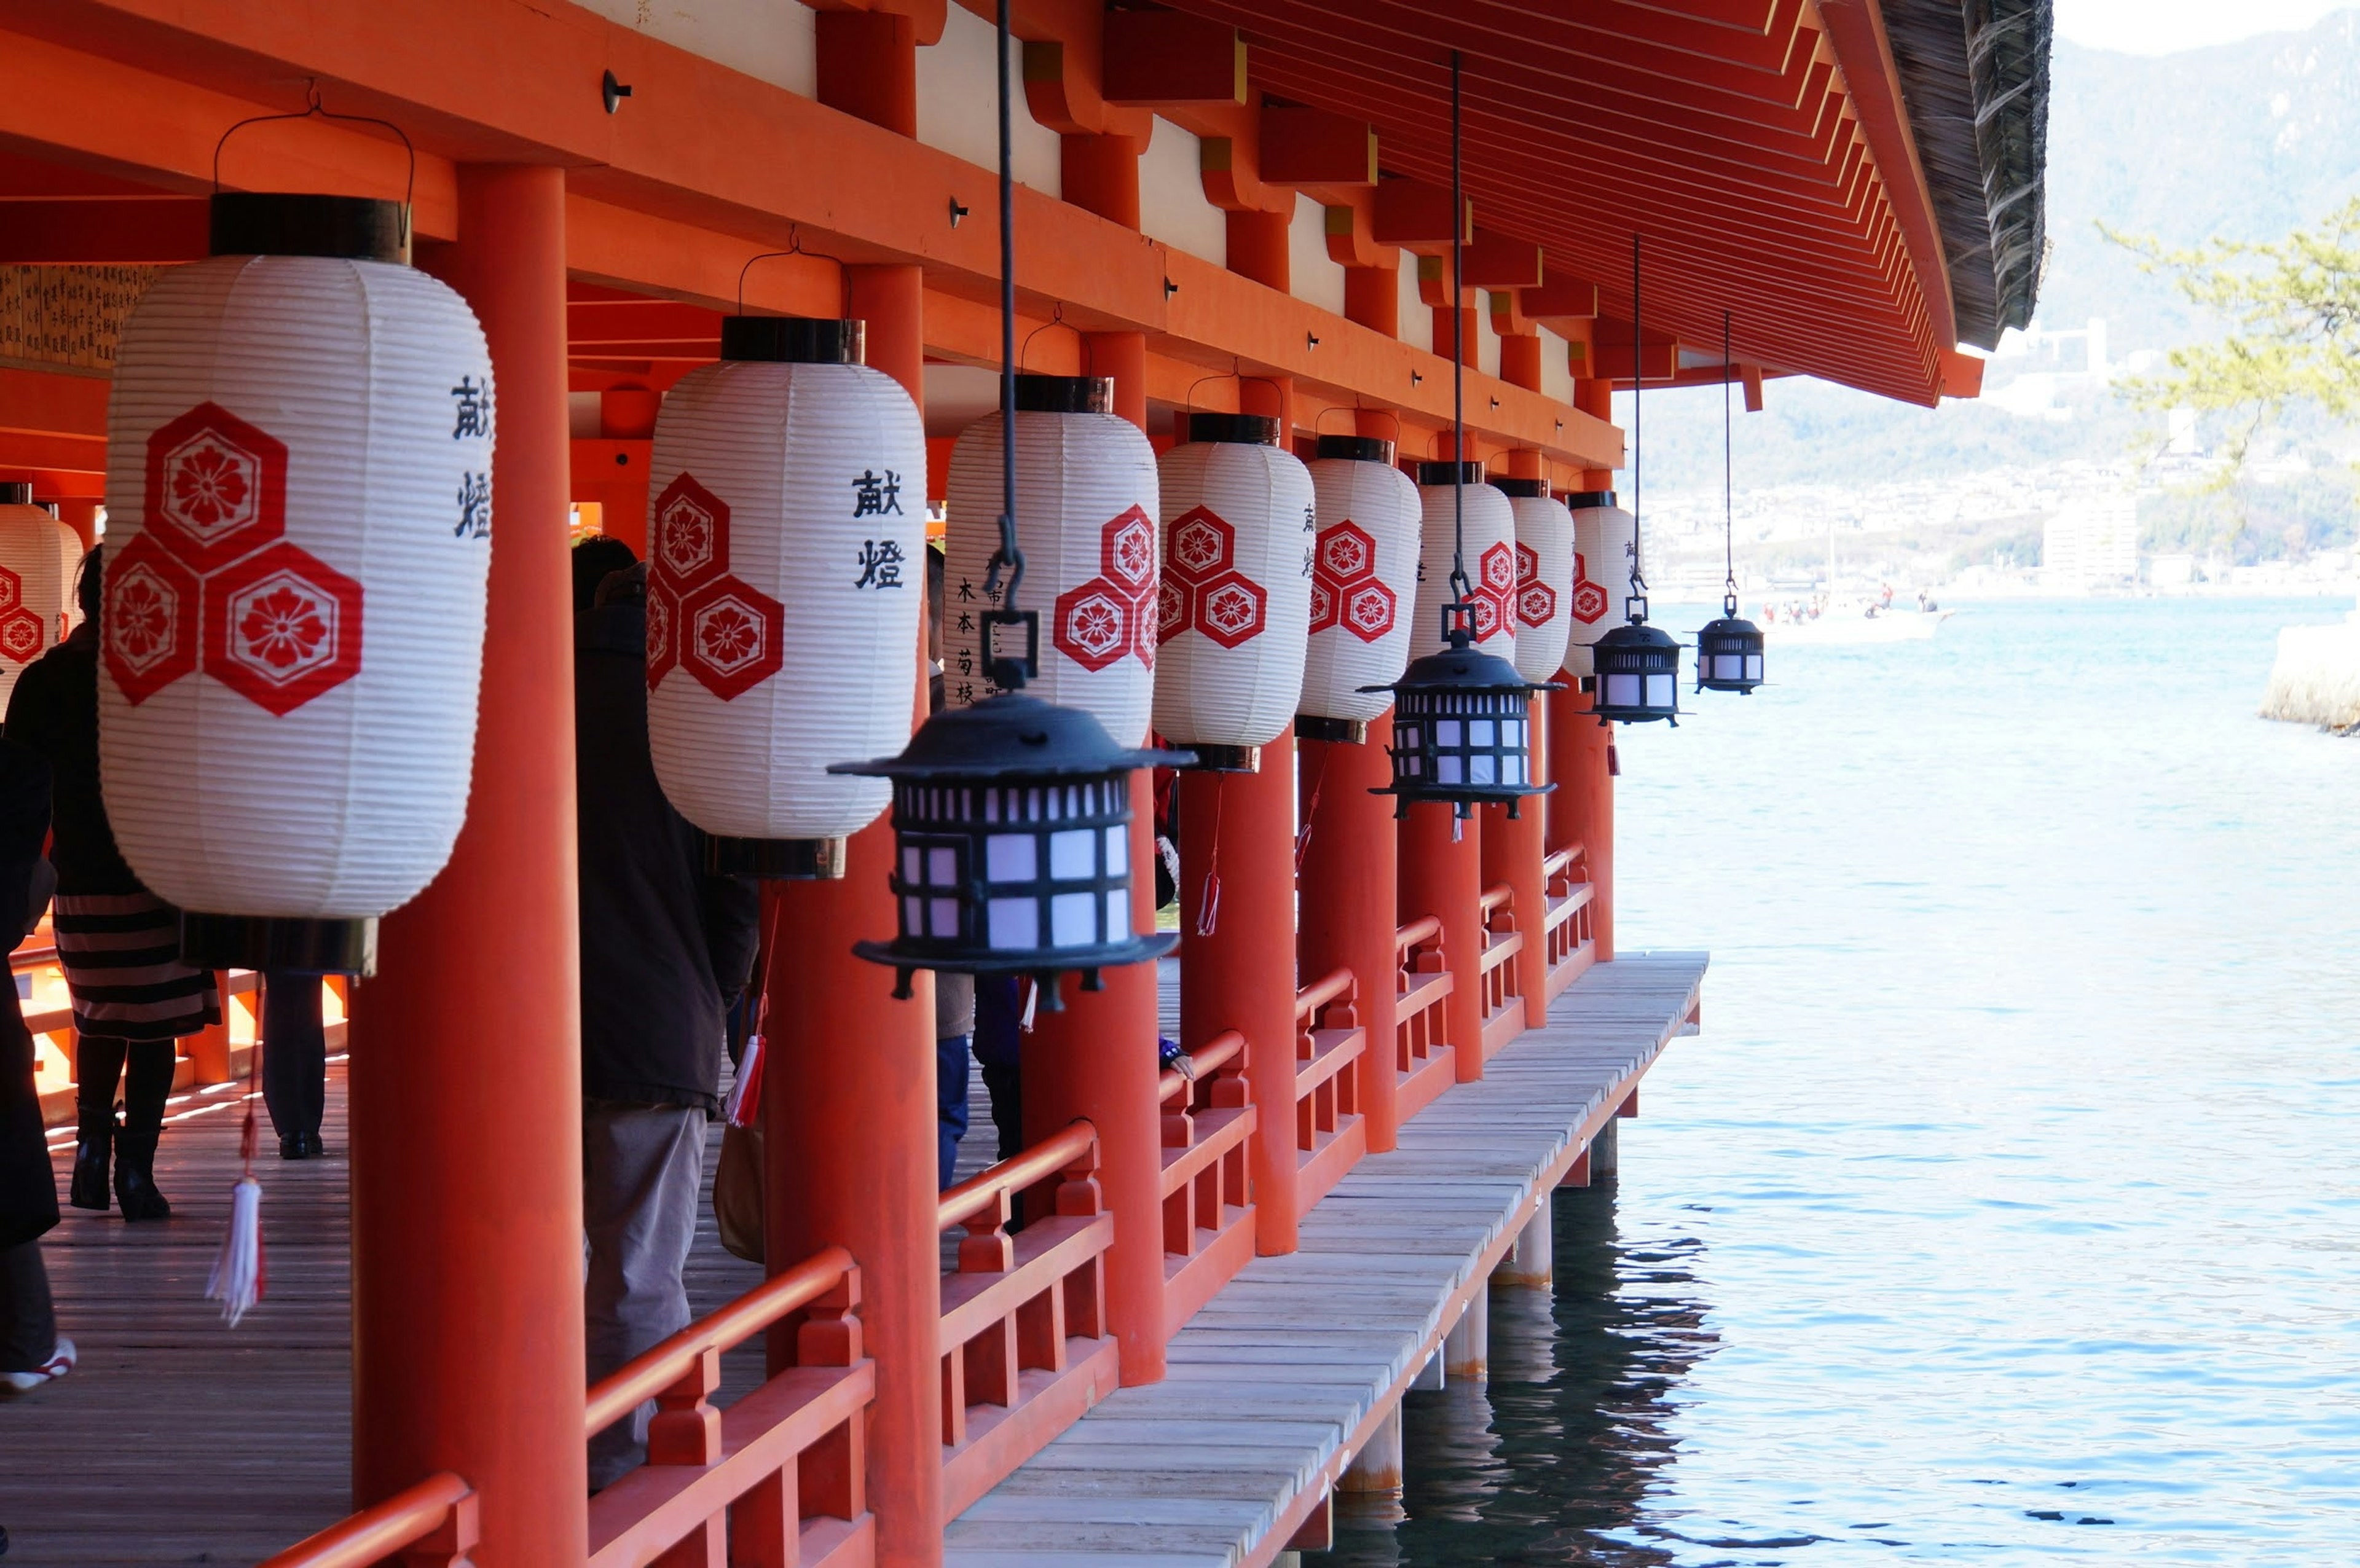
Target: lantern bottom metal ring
[1225, 758]
[1339, 731]
[269, 941]
[1044, 967]
[781, 859]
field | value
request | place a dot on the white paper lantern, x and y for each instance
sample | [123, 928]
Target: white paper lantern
[38, 556]
[1086, 522]
[1605, 539]
[1489, 552]
[1233, 610]
[1363, 586]
[786, 577]
[299, 504]
[1543, 575]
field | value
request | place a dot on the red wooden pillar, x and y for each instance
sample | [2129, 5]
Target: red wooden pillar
[1514, 849]
[1581, 809]
[1443, 875]
[1346, 906]
[466, 1066]
[1097, 1059]
[848, 1098]
[1594, 395]
[1240, 827]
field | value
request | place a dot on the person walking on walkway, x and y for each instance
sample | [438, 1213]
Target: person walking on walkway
[118, 944]
[666, 947]
[294, 1062]
[31, 1350]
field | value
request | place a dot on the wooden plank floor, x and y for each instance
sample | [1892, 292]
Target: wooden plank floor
[1291, 1365]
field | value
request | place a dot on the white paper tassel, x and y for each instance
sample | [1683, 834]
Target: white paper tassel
[239, 1276]
[745, 1100]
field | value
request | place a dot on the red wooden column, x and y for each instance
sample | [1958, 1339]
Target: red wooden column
[1512, 851]
[1240, 973]
[1443, 875]
[1097, 1059]
[848, 1098]
[466, 1066]
[1582, 811]
[1346, 903]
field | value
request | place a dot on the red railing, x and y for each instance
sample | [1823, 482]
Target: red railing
[1330, 1045]
[1208, 1214]
[1024, 1340]
[1569, 942]
[776, 1479]
[1504, 1002]
[1424, 1058]
[430, 1525]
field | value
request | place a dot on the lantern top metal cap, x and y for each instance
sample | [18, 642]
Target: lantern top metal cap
[1584, 500]
[1064, 394]
[274, 222]
[1356, 449]
[16, 493]
[1450, 473]
[794, 340]
[1467, 669]
[1249, 430]
[1012, 732]
[1634, 635]
[1522, 489]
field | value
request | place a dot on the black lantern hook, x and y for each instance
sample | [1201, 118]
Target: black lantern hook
[314, 110]
[796, 248]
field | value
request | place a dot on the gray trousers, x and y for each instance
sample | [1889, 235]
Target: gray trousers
[642, 1173]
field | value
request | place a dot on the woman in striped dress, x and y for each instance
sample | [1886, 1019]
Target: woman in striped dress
[118, 944]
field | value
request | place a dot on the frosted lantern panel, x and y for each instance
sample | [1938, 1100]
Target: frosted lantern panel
[1659, 690]
[1015, 923]
[1073, 919]
[910, 861]
[1070, 856]
[1479, 769]
[1479, 732]
[1621, 690]
[942, 867]
[1118, 858]
[1754, 666]
[1446, 769]
[943, 915]
[1118, 915]
[913, 916]
[1445, 732]
[1011, 858]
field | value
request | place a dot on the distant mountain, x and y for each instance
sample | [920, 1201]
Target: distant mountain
[2240, 141]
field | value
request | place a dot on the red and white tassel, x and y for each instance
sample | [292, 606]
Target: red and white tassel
[745, 1102]
[240, 1273]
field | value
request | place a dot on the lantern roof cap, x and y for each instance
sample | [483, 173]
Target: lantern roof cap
[1011, 733]
[278, 223]
[1462, 667]
[1039, 394]
[1729, 626]
[1445, 473]
[1248, 430]
[1634, 635]
[794, 340]
[1522, 489]
[1355, 448]
[1584, 500]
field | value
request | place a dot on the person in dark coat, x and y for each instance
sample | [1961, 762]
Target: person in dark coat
[666, 948]
[118, 944]
[31, 1351]
[294, 1062]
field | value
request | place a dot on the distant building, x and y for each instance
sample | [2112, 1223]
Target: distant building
[2091, 542]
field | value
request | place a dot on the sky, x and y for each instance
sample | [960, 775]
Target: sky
[2165, 27]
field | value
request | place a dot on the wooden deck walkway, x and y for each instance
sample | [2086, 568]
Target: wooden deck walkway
[1281, 1378]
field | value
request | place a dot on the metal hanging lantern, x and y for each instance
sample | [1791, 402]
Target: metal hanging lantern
[1461, 726]
[1012, 845]
[1012, 817]
[1636, 666]
[1729, 650]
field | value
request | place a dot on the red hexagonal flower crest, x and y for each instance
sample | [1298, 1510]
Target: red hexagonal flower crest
[1497, 568]
[664, 631]
[731, 636]
[12, 588]
[1536, 600]
[216, 487]
[281, 628]
[1230, 609]
[1588, 597]
[1127, 552]
[1344, 569]
[21, 635]
[1201, 544]
[151, 620]
[1369, 610]
[1115, 612]
[692, 535]
[1200, 590]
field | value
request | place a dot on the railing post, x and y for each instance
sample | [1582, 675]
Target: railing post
[1581, 808]
[1443, 876]
[1240, 973]
[1514, 849]
[1346, 903]
[466, 1168]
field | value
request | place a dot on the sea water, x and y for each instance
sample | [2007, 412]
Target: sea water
[2007, 1209]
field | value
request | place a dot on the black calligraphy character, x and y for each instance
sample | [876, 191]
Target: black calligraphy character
[475, 506]
[966, 622]
[966, 693]
[470, 421]
[881, 564]
[875, 498]
[967, 661]
[966, 596]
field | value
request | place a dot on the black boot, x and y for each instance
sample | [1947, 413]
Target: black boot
[96, 1139]
[135, 1176]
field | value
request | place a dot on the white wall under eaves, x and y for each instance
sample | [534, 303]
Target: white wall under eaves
[1312, 274]
[1557, 367]
[1172, 204]
[958, 104]
[763, 38]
